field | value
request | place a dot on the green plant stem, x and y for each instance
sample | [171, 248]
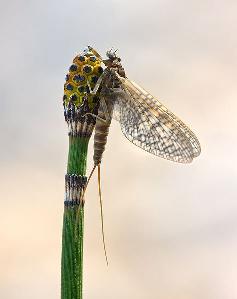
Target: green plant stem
[73, 227]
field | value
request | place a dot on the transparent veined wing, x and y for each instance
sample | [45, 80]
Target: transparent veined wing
[151, 126]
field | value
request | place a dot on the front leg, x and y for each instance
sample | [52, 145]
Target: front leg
[95, 116]
[98, 84]
[103, 110]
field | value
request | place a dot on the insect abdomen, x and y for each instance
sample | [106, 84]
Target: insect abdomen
[100, 138]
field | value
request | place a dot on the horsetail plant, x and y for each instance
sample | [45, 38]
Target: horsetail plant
[79, 106]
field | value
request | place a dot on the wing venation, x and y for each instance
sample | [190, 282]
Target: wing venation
[147, 123]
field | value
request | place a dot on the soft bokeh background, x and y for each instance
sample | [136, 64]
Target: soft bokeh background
[171, 229]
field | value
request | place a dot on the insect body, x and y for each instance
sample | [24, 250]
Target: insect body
[101, 133]
[144, 120]
[109, 85]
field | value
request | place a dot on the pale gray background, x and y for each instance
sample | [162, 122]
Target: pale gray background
[171, 229]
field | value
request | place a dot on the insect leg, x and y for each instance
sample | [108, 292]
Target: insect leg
[88, 84]
[96, 116]
[98, 83]
[105, 111]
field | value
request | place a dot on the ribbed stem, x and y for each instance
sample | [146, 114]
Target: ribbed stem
[77, 155]
[73, 226]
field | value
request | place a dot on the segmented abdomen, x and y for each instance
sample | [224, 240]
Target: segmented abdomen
[100, 138]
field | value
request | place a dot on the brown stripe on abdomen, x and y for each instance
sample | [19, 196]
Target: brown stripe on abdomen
[100, 139]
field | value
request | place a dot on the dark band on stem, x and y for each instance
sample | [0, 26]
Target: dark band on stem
[74, 187]
[80, 120]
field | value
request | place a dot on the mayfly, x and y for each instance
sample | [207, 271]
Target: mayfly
[144, 120]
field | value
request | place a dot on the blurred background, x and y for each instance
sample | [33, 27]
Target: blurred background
[171, 229]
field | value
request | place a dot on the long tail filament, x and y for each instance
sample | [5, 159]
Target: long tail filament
[101, 215]
[84, 191]
[101, 205]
